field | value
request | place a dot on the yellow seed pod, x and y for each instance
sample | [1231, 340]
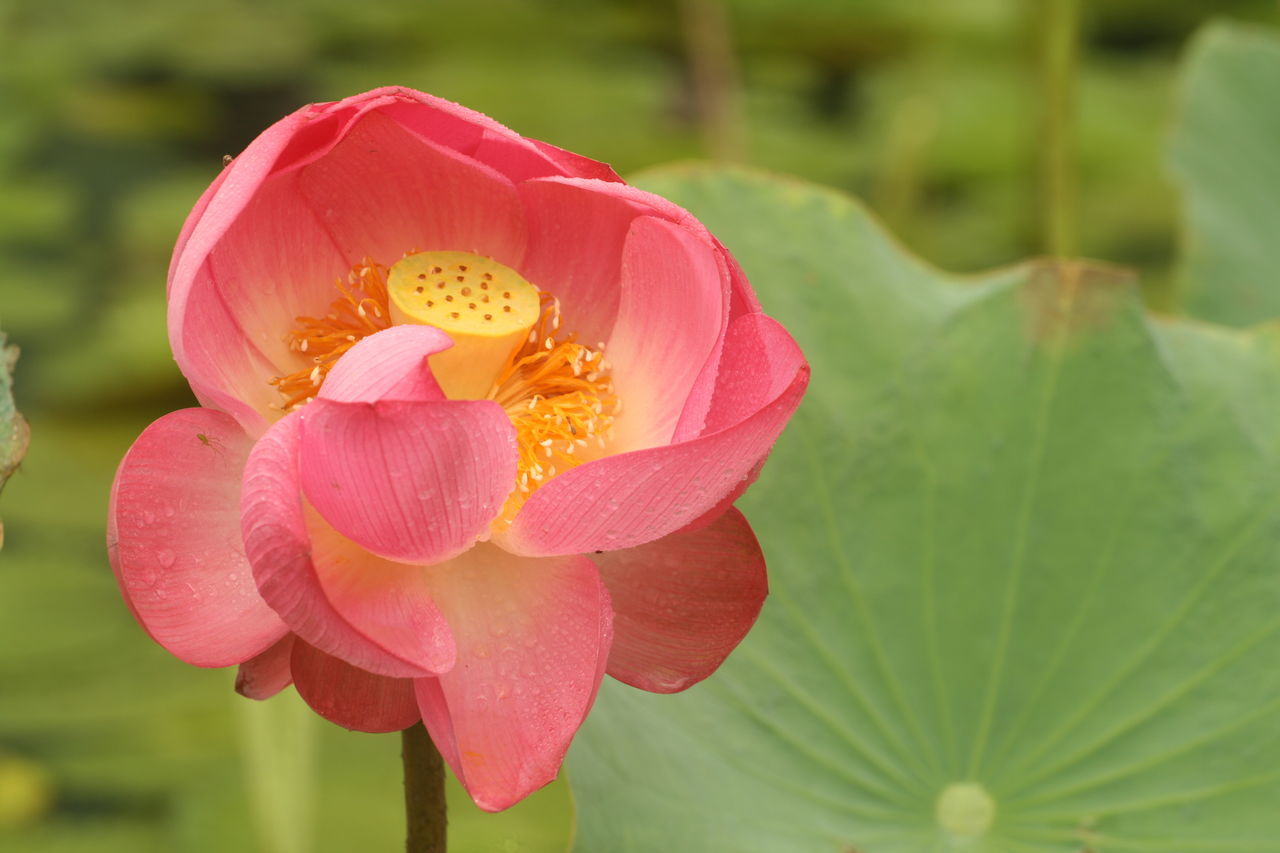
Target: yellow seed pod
[485, 307]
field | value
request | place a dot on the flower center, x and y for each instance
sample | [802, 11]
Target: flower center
[508, 347]
[485, 307]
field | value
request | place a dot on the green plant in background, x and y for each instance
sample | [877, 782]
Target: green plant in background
[14, 432]
[1224, 152]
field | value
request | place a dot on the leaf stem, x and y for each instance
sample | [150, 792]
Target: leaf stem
[425, 810]
[1059, 24]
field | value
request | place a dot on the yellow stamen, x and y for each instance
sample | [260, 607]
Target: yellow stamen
[360, 311]
[558, 393]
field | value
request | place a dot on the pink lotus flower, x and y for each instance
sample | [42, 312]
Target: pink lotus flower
[494, 462]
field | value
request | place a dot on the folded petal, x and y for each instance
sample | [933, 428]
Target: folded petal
[412, 481]
[391, 365]
[742, 298]
[576, 237]
[578, 229]
[352, 697]
[189, 225]
[682, 603]
[267, 674]
[577, 166]
[222, 354]
[225, 370]
[671, 319]
[374, 613]
[643, 495]
[174, 540]
[533, 639]
[274, 262]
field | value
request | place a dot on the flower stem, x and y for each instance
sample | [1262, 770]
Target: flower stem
[426, 814]
[1059, 22]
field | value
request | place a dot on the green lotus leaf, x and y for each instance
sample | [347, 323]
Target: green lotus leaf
[1023, 553]
[1224, 155]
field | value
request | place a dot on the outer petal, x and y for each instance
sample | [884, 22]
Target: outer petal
[193, 219]
[275, 261]
[681, 604]
[267, 674]
[672, 316]
[576, 165]
[173, 536]
[383, 191]
[742, 299]
[218, 360]
[225, 370]
[478, 136]
[417, 482]
[376, 614]
[533, 639]
[350, 696]
[644, 495]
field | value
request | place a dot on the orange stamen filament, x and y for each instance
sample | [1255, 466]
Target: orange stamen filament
[560, 398]
[360, 311]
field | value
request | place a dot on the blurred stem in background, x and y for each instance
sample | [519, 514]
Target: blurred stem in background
[912, 131]
[278, 743]
[714, 75]
[1058, 23]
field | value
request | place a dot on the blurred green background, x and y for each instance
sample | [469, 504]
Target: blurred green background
[114, 116]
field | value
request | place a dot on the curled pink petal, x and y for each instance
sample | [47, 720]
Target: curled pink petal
[533, 639]
[682, 603]
[217, 353]
[267, 674]
[577, 166]
[643, 495]
[742, 298]
[389, 602]
[674, 306]
[276, 261]
[350, 696]
[391, 365]
[195, 217]
[417, 482]
[174, 540]
[373, 613]
[576, 238]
